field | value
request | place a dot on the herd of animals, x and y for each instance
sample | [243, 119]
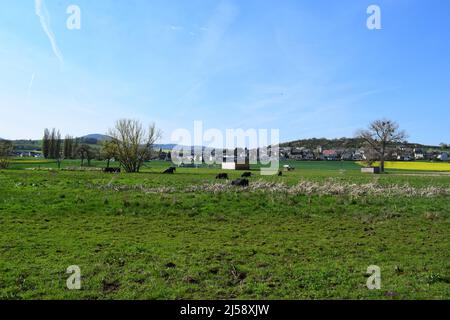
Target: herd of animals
[242, 182]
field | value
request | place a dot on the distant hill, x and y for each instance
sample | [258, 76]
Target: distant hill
[95, 138]
[164, 146]
[341, 143]
[314, 143]
[26, 145]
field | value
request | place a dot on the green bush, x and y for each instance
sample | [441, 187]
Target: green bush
[4, 163]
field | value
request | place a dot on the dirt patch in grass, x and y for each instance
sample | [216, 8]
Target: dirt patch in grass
[110, 286]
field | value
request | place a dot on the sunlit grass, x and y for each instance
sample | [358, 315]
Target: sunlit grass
[309, 234]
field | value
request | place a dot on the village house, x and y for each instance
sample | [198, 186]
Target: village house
[27, 154]
[330, 155]
[359, 155]
[419, 154]
[347, 155]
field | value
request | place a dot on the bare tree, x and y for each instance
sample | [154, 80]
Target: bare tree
[379, 136]
[133, 144]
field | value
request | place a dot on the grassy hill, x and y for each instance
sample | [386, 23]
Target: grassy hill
[27, 145]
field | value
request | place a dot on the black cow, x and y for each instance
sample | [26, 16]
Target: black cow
[240, 183]
[171, 170]
[222, 176]
[246, 175]
[111, 170]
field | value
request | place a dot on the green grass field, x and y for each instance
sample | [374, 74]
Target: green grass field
[310, 234]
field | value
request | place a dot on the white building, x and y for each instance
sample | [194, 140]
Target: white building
[232, 163]
[443, 156]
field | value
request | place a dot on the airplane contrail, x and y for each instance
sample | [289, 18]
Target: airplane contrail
[44, 18]
[30, 85]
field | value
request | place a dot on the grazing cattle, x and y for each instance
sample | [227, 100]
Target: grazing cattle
[240, 183]
[222, 176]
[280, 173]
[246, 175]
[171, 170]
[111, 170]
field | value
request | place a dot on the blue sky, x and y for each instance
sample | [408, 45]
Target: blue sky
[308, 68]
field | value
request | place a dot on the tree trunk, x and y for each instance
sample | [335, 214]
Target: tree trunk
[383, 152]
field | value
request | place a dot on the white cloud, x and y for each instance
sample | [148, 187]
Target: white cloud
[175, 28]
[44, 17]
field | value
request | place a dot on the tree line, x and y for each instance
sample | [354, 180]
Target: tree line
[51, 144]
[54, 147]
[130, 144]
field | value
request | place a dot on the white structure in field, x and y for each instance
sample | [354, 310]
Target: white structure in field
[237, 162]
[443, 156]
[374, 170]
[235, 166]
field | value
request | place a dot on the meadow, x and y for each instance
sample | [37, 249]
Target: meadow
[310, 234]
